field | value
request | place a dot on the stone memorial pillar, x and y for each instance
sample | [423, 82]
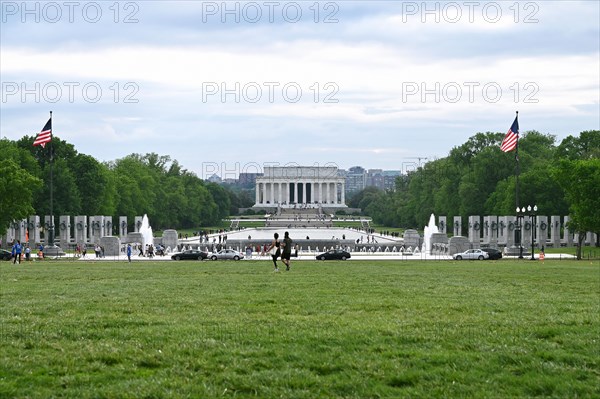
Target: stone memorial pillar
[589, 238]
[137, 223]
[568, 237]
[21, 230]
[34, 229]
[111, 245]
[511, 229]
[458, 244]
[503, 231]
[457, 226]
[96, 229]
[122, 226]
[81, 229]
[494, 230]
[48, 225]
[108, 226]
[442, 225]
[412, 239]
[169, 239]
[555, 231]
[438, 238]
[475, 231]
[64, 230]
[526, 232]
[11, 233]
[541, 231]
[488, 233]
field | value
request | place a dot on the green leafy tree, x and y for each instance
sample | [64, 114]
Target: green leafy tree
[92, 179]
[17, 187]
[584, 146]
[66, 196]
[581, 182]
[222, 200]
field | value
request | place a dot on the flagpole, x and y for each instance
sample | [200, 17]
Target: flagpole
[518, 172]
[51, 233]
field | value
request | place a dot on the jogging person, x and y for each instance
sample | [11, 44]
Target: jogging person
[287, 250]
[275, 251]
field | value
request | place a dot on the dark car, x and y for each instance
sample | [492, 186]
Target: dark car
[5, 255]
[191, 254]
[334, 254]
[493, 253]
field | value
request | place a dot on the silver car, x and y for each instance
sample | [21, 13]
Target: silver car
[472, 254]
[226, 254]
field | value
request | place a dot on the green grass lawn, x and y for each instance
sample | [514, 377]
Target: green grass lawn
[355, 329]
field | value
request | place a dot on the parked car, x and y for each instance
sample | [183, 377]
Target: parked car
[472, 254]
[227, 254]
[5, 255]
[190, 254]
[493, 253]
[334, 254]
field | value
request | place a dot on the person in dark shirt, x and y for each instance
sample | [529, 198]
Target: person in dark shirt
[287, 250]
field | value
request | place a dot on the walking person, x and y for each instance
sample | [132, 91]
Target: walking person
[16, 252]
[129, 252]
[27, 253]
[286, 254]
[274, 250]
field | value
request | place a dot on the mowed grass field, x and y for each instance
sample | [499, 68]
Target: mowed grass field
[355, 329]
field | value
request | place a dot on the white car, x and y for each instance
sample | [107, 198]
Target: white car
[472, 254]
[226, 254]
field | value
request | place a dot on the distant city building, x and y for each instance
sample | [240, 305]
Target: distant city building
[356, 179]
[389, 179]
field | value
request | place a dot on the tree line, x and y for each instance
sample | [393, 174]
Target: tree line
[152, 184]
[477, 178]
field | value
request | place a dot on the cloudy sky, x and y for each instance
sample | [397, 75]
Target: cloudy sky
[226, 86]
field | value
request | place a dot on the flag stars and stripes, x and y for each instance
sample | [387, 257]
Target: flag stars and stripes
[512, 137]
[45, 135]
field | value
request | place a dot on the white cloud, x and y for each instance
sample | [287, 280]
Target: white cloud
[372, 60]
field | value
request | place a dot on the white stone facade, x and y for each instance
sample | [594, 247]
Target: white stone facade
[301, 185]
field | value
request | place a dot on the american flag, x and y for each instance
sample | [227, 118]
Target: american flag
[510, 140]
[45, 135]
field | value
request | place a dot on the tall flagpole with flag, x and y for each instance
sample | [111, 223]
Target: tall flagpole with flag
[44, 137]
[511, 142]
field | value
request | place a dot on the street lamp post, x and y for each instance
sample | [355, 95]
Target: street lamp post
[532, 214]
[519, 231]
[521, 212]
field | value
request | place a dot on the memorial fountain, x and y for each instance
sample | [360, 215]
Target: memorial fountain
[428, 231]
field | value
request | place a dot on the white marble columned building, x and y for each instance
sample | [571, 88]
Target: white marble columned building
[300, 185]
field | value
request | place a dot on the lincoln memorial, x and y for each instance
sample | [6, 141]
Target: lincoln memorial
[310, 186]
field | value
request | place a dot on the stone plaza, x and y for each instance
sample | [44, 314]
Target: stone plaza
[312, 229]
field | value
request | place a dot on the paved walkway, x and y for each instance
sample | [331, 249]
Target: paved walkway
[323, 233]
[311, 256]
